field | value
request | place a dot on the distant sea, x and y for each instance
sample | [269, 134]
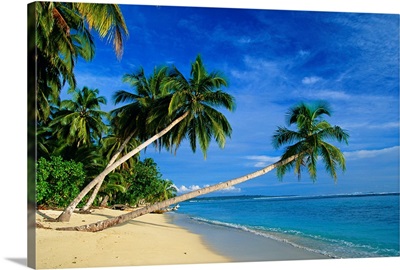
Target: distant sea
[339, 226]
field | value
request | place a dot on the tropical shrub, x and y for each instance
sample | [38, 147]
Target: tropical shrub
[144, 184]
[58, 181]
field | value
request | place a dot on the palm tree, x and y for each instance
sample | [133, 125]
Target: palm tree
[80, 120]
[308, 145]
[199, 96]
[167, 190]
[191, 106]
[310, 136]
[62, 36]
[112, 146]
[115, 184]
[130, 120]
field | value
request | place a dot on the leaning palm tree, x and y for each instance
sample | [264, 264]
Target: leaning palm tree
[310, 136]
[129, 121]
[309, 143]
[199, 97]
[190, 110]
[112, 146]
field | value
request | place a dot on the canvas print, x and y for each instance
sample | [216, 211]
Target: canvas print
[167, 135]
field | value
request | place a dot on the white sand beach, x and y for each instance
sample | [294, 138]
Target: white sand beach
[148, 240]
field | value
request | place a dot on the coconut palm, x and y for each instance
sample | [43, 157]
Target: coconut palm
[309, 143]
[80, 120]
[310, 136]
[112, 146]
[62, 36]
[199, 96]
[192, 106]
[167, 190]
[114, 185]
[130, 120]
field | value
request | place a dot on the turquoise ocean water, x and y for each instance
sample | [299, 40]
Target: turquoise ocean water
[339, 226]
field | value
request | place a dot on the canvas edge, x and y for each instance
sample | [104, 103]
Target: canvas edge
[31, 136]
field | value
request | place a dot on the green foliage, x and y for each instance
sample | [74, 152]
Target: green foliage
[58, 181]
[64, 34]
[145, 184]
[309, 141]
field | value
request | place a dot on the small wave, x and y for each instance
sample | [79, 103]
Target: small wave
[313, 243]
[263, 234]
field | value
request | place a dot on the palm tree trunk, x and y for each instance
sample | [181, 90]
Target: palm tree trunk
[98, 186]
[65, 216]
[101, 225]
[104, 201]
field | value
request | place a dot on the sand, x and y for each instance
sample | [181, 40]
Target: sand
[147, 240]
[153, 239]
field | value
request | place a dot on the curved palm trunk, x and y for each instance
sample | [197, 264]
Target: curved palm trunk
[66, 214]
[98, 186]
[101, 225]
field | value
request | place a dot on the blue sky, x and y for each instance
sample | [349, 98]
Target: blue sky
[272, 60]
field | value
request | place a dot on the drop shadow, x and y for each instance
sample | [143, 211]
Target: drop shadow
[20, 261]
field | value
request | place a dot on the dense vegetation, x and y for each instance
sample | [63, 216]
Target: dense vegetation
[75, 138]
[76, 143]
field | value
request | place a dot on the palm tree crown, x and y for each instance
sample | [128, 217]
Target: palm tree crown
[147, 91]
[80, 120]
[309, 140]
[199, 96]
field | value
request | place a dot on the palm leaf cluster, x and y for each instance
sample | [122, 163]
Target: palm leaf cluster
[62, 36]
[310, 140]
[81, 120]
[201, 96]
[166, 95]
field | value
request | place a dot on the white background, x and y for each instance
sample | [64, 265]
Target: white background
[13, 129]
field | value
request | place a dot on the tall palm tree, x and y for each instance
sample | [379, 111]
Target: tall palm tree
[191, 105]
[80, 120]
[62, 36]
[309, 143]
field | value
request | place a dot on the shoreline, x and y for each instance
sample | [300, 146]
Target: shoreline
[154, 239]
[242, 246]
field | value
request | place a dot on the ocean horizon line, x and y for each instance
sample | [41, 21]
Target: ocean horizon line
[293, 196]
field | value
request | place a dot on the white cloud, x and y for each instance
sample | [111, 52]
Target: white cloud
[262, 161]
[371, 153]
[232, 189]
[184, 189]
[310, 80]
